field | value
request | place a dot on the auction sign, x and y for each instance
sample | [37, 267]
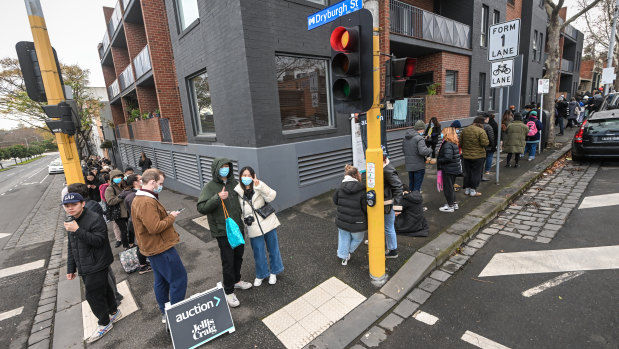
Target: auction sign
[199, 319]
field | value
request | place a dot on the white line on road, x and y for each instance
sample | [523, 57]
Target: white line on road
[34, 174]
[11, 313]
[553, 261]
[599, 201]
[552, 283]
[22, 268]
[44, 179]
[481, 341]
[426, 318]
[3, 235]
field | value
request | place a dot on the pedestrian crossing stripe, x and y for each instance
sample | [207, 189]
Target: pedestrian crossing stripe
[599, 201]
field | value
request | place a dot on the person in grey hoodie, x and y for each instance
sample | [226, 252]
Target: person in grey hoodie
[415, 152]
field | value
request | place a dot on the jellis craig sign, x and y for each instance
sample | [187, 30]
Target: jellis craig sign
[199, 319]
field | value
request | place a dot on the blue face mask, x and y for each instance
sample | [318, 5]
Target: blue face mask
[158, 189]
[224, 171]
[117, 180]
[246, 180]
[125, 177]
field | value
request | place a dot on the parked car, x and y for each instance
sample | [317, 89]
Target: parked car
[598, 137]
[610, 102]
[55, 167]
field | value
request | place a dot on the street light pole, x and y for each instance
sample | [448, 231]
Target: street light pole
[611, 46]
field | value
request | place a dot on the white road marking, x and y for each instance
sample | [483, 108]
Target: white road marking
[600, 201]
[552, 283]
[3, 235]
[44, 179]
[127, 307]
[481, 341]
[426, 318]
[22, 268]
[34, 174]
[552, 261]
[11, 313]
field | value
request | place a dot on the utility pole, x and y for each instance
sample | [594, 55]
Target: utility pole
[53, 88]
[611, 47]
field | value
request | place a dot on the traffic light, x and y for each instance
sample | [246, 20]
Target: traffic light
[29, 65]
[352, 83]
[399, 82]
[62, 119]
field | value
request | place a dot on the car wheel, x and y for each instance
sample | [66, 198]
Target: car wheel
[578, 158]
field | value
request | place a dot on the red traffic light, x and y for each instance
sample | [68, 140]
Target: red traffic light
[403, 67]
[344, 39]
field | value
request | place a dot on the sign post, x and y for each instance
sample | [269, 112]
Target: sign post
[543, 86]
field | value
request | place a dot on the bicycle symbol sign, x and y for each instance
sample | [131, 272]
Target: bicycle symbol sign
[502, 73]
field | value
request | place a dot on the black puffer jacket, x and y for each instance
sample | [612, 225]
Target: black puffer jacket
[393, 185]
[89, 249]
[351, 202]
[448, 159]
[411, 221]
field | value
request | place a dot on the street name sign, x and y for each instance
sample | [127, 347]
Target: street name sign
[333, 12]
[543, 86]
[199, 319]
[502, 73]
[608, 75]
[504, 40]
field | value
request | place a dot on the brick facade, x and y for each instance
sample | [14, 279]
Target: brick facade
[136, 38]
[384, 23]
[586, 69]
[120, 56]
[147, 98]
[117, 114]
[447, 107]
[147, 130]
[513, 11]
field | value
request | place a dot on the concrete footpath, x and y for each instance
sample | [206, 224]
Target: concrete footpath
[316, 302]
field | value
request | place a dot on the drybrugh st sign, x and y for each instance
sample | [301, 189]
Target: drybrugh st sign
[504, 40]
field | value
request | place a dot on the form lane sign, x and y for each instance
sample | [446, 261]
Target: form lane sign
[504, 40]
[333, 12]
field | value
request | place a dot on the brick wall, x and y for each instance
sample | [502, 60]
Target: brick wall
[513, 11]
[440, 62]
[117, 114]
[136, 38]
[124, 131]
[147, 130]
[385, 24]
[120, 56]
[109, 74]
[147, 99]
[586, 69]
[164, 70]
[107, 13]
[427, 5]
[447, 107]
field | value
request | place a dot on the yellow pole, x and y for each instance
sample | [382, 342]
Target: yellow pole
[374, 176]
[53, 89]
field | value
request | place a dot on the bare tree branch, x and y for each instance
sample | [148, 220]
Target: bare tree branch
[574, 17]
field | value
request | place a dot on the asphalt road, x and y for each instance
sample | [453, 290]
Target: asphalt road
[579, 313]
[20, 190]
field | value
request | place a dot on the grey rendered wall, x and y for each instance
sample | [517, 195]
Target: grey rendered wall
[533, 18]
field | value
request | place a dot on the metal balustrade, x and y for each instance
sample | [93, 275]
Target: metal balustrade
[105, 44]
[567, 65]
[415, 110]
[114, 22]
[126, 78]
[141, 62]
[113, 90]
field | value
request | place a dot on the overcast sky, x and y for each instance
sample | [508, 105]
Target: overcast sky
[75, 28]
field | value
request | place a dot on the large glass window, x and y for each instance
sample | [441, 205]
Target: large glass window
[481, 92]
[451, 81]
[542, 45]
[203, 108]
[483, 40]
[492, 99]
[187, 12]
[496, 17]
[303, 94]
[534, 46]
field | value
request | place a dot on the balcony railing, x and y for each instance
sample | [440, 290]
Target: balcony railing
[115, 20]
[126, 78]
[415, 111]
[412, 21]
[113, 90]
[105, 43]
[141, 62]
[126, 4]
[570, 31]
[567, 65]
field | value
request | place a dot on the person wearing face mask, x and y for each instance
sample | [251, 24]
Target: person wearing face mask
[113, 198]
[254, 195]
[215, 194]
[133, 184]
[155, 234]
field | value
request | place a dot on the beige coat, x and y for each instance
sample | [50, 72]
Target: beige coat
[262, 195]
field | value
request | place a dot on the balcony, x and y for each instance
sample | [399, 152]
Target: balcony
[105, 44]
[417, 23]
[126, 4]
[126, 78]
[114, 22]
[113, 90]
[141, 62]
[571, 32]
[567, 65]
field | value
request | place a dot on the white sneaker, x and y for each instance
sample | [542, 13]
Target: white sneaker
[99, 332]
[446, 208]
[345, 260]
[272, 279]
[365, 242]
[243, 285]
[467, 191]
[233, 302]
[456, 206]
[257, 282]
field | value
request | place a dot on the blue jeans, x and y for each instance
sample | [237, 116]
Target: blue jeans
[415, 179]
[170, 277]
[531, 148]
[392, 241]
[489, 156]
[275, 263]
[348, 242]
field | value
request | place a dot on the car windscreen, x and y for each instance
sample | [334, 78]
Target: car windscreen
[603, 126]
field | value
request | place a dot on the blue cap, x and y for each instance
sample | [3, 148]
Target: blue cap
[456, 124]
[71, 198]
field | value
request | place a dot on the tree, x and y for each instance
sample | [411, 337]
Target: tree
[4, 155]
[18, 151]
[553, 37]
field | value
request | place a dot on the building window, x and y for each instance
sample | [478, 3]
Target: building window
[202, 106]
[533, 86]
[481, 92]
[541, 46]
[492, 99]
[322, 2]
[534, 46]
[303, 94]
[496, 17]
[187, 12]
[451, 81]
[541, 3]
[483, 40]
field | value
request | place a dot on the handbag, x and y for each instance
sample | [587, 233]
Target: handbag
[113, 212]
[129, 260]
[235, 237]
[265, 210]
[439, 180]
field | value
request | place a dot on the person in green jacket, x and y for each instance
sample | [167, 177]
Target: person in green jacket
[216, 193]
[473, 141]
[516, 139]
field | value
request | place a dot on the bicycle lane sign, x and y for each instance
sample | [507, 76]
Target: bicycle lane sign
[502, 73]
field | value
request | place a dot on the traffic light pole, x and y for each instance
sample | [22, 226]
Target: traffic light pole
[374, 168]
[53, 88]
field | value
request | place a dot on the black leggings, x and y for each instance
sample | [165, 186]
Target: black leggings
[448, 188]
[125, 235]
[516, 156]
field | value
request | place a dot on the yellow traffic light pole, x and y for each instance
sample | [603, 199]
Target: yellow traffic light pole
[374, 177]
[53, 88]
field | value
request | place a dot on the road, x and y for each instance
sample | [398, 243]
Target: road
[571, 304]
[23, 258]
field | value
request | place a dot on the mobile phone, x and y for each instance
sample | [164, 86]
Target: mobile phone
[181, 210]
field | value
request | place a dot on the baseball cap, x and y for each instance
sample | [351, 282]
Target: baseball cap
[71, 198]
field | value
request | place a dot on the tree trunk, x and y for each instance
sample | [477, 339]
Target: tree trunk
[552, 73]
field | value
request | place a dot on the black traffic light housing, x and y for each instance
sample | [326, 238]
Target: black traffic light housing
[29, 64]
[352, 78]
[399, 84]
[62, 118]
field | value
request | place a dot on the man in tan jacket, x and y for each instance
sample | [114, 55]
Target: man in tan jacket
[154, 230]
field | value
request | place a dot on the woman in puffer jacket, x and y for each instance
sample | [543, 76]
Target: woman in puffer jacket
[351, 213]
[254, 195]
[450, 163]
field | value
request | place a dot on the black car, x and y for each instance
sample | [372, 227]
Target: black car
[598, 137]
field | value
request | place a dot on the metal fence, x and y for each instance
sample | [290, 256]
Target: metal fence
[142, 62]
[415, 110]
[115, 21]
[567, 65]
[113, 90]
[126, 78]
[166, 135]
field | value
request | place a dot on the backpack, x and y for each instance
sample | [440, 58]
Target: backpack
[532, 128]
